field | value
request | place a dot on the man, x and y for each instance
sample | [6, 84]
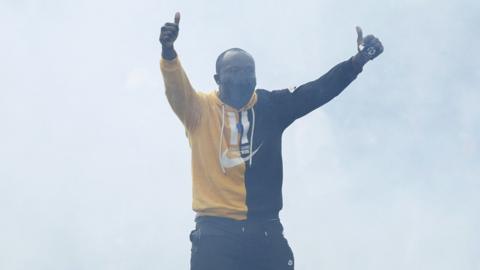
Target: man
[235, 136]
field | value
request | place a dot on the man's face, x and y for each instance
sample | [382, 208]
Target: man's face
[236, 78]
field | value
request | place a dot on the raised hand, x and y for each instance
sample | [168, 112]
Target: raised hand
[370, 46]
[169, 32]
[168, 35]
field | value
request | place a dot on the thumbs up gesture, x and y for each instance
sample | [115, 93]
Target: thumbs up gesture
[368, 47]
[169, 32]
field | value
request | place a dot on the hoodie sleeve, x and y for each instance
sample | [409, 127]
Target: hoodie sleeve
[180, 94]
[310, 96]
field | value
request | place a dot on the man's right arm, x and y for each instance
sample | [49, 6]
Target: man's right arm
[180, 94]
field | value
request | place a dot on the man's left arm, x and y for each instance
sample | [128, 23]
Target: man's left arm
[314, 94]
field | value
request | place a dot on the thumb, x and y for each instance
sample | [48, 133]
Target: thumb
[177, 18]
[359, 36]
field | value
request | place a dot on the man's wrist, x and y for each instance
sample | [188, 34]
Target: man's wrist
[360, 59]
[168, 53]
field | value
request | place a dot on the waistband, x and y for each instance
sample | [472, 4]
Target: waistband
[221, 225]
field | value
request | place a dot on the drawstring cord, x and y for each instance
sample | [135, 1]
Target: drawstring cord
[251, 136]
[221, 140]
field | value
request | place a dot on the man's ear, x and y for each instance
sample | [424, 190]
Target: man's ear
[217, 78]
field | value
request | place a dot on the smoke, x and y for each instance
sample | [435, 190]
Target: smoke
[95, 167]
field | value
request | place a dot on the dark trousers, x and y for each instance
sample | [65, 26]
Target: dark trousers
[226, 244]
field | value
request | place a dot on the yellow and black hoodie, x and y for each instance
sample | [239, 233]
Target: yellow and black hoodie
[237, 154]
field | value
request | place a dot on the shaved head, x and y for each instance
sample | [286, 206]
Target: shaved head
[220, 58]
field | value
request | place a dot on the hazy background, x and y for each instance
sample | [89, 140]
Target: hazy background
[95, 167]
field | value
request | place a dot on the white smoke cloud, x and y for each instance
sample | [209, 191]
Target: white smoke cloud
[94, 165]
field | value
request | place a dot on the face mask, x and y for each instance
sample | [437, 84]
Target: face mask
[237, 92]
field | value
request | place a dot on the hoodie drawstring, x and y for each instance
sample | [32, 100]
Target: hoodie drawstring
[251, 136]
[221, 140]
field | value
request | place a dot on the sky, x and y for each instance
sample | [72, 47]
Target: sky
[95, 167]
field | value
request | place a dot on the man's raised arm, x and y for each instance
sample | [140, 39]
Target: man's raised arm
[314, 94]
[180, 94]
